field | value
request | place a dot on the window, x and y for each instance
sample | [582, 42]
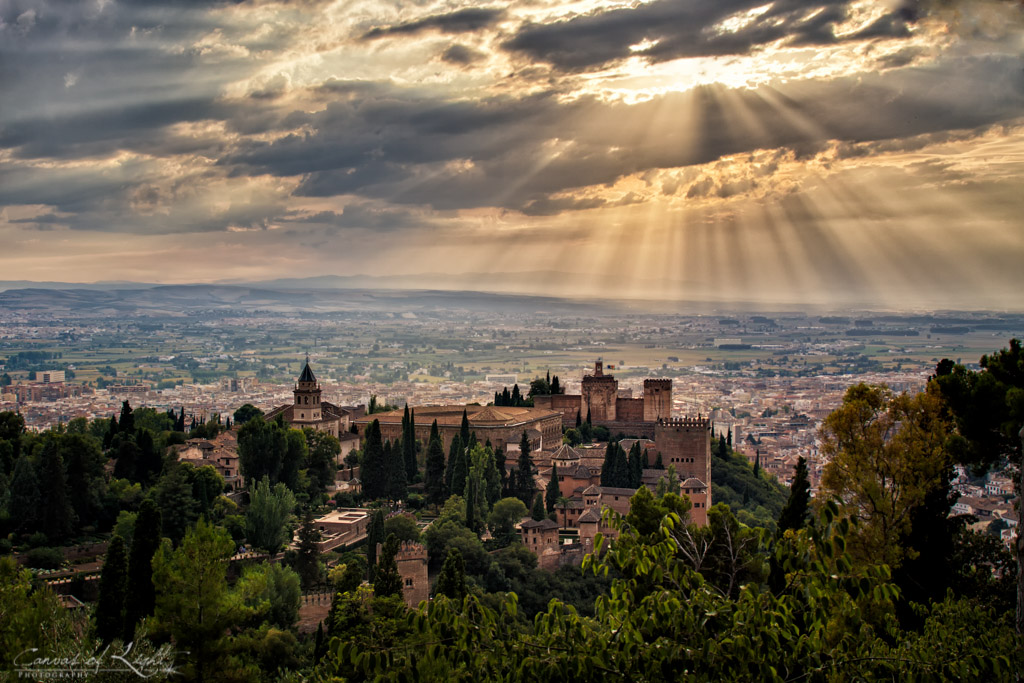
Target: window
[408, 583]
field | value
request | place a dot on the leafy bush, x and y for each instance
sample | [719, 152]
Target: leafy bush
[44, 558]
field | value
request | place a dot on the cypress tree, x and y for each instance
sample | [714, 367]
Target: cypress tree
[728, 439]
[464, 430]
[453, 451]
[794, 514]
[397, 483]
[113, 585]
[374, 536]
[658, 464]
[179, 426]
[757, 462]
[537, 511]
[149, 464]
[460, 470]
[388, 582]
[319, 646]
[373, 473]
[409, 447]
[145, 542]
[608, 465]
[57, 518]
[579, 421]
[472, 523]
[307, 560]
[26, 497]
[636, 465]
[555, 387]
[588, 416]
[492, 478]
[127, 422]
[451, 582]
[552, 492]
[517, 398]
[436, 490]
[108, 438]
[499, 462]
[526, 486]
[506, 397]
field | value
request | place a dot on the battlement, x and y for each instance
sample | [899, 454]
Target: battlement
[659, 383]
[411, 550]
[688, 421]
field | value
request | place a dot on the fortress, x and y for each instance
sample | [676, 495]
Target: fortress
[599, 398]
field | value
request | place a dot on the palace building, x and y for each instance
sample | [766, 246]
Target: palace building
[310, 410]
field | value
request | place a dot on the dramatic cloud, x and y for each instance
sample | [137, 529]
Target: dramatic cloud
[639, 138]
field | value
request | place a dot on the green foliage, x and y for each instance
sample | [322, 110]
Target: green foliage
[387, 582]
[374, 474]
[193, 603]
[110, 606]
[44, 558]
[402, 527]
[307, 560]
[504, 516]
[734, 483]
[436, 487]
[30, 617]
[145, 542]
[173, 495]
[322, 453]
[246, 413]
[537, 511]
[552, 492]
[794, 514]
[266, 520]
[272, 593]
[451, 582]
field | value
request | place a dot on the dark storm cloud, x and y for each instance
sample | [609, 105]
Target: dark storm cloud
[502, 151]
[686, 28]
[461, 55]
[460, 21]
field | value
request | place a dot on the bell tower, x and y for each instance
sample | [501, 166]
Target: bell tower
[307, 398]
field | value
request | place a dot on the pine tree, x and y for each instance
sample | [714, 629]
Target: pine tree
[113, 585]
[636, 466]
[374, 536]
[464, 429]
[451, 582]
[148, 463]
[373, 472]
[794, 514]
[108, 438]
[388, 582]
[437, 491]
[517, 398]
[537, 511]
[145, 542]
[453, 451]
[26, 497]
[552, 492]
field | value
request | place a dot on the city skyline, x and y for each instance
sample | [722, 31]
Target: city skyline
[797, 151]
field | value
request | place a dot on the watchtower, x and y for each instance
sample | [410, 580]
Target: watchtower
[307, 398]
[657, 399]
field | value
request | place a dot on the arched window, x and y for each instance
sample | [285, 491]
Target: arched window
[307, 400]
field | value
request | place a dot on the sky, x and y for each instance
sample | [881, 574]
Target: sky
[827, 152]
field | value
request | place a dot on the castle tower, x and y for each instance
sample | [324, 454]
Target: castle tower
[599, 393]
[307, 399]
[411, 559]
[685, 442]
[657, 399]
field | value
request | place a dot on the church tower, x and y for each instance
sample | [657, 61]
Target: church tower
[306, 411]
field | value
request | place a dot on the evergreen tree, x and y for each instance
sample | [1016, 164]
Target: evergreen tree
[148, 463]
[173, 497]
[723, 448]
[307, 559]
[108, 438]
[127, 422]
[499, 463]
[608, 465]
[537, 511]
[516, 398]
[636, 465]
[460, 470]
[464, 429]
[127, 456]
[57, 516]
[555, 386]
[113, 585]
[179, 426]
[26, 497]
[397, 483]
[388, 581]
[658, 464]
[436, 490]
[473, 521]
[319, 646]
[579, 421]
[757, 462]
[552, 492]
[296, 454]
[145, 542]
[794, 515]
[453, 451]
[409, 447]
[728, 439]
[526, 487]
[492, 478]
[451, 581]
[374, 472]
[374, 537]
[266, 520]
[588, 416]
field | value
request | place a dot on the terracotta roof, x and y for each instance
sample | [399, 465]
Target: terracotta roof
[451, 415]
[543, 524]
[565, 452]
[615, 491]
[693, 483]
[591, 490]
[589, 515]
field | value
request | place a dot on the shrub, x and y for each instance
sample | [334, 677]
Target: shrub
[44, 558]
